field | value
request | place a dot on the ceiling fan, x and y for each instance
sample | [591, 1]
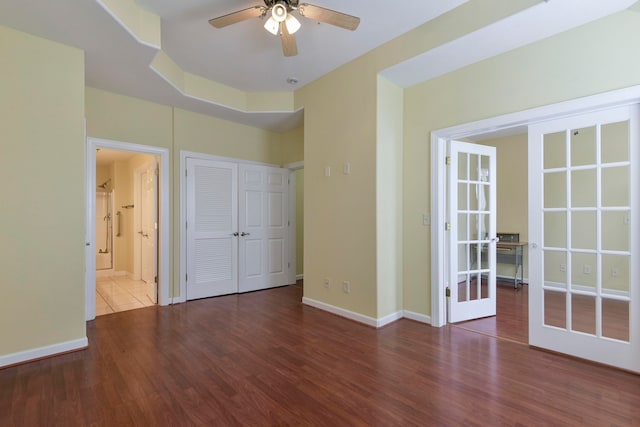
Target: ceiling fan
[281, 20]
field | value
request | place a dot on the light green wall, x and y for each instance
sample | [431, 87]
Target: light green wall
[592, 59]
[42, 186]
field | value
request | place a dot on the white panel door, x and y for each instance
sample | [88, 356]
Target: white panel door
[212, 224]
[148, 228]
[472, 232]
[584, 280]
[263, 226]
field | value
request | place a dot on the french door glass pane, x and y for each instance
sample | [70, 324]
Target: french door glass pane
[555, 229]
[615, 274]
[615, 319]
[615, 142]
[615, 186]
[583, 230]
[583, 188]
[462, 166]
[583, 313]
[583, 270]
[615, 231]
[555, 269]
[555, 152]
[555, 190]
[462, 196]
[583, 146]
[555, 309]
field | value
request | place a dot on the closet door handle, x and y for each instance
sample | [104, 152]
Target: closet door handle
[236, 234]
[244, 234]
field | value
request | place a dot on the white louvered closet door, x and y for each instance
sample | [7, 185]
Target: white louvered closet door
[212, 222]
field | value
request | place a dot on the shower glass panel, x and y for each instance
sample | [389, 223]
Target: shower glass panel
[104, 230]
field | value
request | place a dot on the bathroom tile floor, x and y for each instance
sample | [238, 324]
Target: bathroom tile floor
[120, 293]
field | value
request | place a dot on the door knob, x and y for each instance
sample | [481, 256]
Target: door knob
[236, 234]
[244, 234]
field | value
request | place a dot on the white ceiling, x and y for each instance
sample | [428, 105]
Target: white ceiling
[247, 57]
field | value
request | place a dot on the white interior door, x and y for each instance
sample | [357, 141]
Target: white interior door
[583, 212]
[212, 224]
[472, 231]
[263, 221]
[149, 229]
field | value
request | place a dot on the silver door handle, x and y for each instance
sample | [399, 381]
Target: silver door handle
[244, 234]
[235, 234]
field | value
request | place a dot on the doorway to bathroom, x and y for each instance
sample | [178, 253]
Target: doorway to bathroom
[125, 232]
[127, 223]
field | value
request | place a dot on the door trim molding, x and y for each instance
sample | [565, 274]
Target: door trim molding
[603, 101]
[164, 217]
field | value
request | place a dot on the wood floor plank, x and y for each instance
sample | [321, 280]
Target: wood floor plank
[264, 359]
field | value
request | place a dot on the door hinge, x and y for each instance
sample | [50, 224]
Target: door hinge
[157, 171]
[155, 279]
[447, 160]
[447, 292]
[288, 265]
[186, 172]
[447, 226]
[186, 225]
[186, 277]
[289, 223]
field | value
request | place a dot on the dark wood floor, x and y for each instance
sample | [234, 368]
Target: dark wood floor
[512, 315]
[264, 359]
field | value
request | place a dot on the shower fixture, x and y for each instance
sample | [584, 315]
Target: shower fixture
[104, 184]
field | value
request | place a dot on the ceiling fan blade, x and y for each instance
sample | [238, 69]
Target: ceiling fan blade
[329, 16]
[289, 46]
[239, 16]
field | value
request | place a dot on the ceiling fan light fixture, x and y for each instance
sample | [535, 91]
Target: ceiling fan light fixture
[272, 26]
[279, 12]
[292, 24]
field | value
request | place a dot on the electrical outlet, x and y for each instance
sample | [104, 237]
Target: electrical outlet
[563, 268]
[586, 269]
[346, 286]
[327, 282]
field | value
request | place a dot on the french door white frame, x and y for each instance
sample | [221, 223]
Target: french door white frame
[184, 155]
[164, 297]
[520, 119]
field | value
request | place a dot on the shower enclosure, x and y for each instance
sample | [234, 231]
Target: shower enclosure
[104, 229]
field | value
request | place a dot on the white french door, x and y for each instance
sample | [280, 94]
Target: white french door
[212, 224]
[263, 221]
[237, 223]
[472, 231]
[583, 214]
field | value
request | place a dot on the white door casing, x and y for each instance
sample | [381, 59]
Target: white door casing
[583, 213]
[472, 232]
[263, 226]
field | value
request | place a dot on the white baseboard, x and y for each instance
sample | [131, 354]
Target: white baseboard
[422, 318]
[370, 321]
[389, 319]
[299, 276]
[179, 300]
[41, 352]
[361, 318]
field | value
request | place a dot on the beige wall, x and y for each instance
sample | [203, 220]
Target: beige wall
[559, 68]
[122, 118]
[42, 186]
[512, 184]
[341, 240]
